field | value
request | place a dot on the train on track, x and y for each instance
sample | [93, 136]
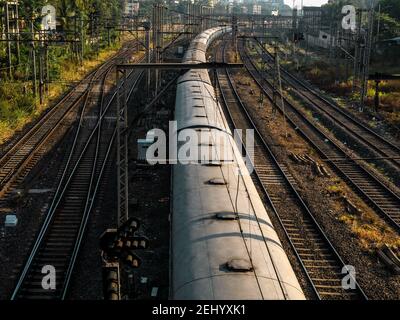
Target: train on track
[223, 244]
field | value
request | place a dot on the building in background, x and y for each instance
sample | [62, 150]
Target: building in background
[256, 9]
[131, 7]
[312, 18]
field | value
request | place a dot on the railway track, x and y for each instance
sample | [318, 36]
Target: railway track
[17, 162]
[378, 146]
[320, 261]
[374, 191]
[60, 237]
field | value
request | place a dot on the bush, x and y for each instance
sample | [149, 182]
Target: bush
[5, 109]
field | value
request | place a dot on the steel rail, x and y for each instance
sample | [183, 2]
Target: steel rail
[384, 200]
[59, 194]
[288, 185]
[89, 204]
[354, 127]
[15, 161]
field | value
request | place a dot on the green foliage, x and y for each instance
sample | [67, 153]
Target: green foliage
[391, 8]
[389, 26]
[17, 103]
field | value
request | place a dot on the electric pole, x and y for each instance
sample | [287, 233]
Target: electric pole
[366, 58]
[8, 38]
[33, 49]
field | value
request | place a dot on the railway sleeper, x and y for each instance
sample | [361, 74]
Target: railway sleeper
[390, 257]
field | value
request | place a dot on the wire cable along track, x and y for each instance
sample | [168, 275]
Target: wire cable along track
[370, 140]
[376, 193]
[61, 234]
[316, 255]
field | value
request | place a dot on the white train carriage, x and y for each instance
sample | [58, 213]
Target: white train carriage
[223, 244]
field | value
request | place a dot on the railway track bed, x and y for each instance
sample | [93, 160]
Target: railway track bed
[318, 258]
[73, 194]
[366, 184]
[376, 280]
[358, 137]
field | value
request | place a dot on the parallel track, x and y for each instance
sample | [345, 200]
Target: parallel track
[383, 148]
[59, 240]
[377, 194]
[17, 162]
[318, 258]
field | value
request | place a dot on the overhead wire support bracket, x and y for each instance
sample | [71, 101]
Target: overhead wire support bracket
[181, 66]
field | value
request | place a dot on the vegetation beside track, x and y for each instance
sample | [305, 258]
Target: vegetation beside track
[68, 62]
[18, 105]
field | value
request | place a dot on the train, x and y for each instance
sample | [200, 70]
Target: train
[223, 243]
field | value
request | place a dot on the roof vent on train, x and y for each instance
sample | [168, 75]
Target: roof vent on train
[217, 181]
[239, 265]
[226, 215]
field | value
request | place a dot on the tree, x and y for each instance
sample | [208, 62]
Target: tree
[389, 27]
[391, 7]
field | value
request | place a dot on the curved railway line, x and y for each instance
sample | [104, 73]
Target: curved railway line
[376, 144]
[376, 193]
[59, 239]
[318, 258]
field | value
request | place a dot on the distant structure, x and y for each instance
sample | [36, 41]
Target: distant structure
[267, 7]
[256, 9]
[131, 7]
[312, 18]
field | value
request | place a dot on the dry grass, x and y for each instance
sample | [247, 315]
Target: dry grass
[371, 232]
[368, 228]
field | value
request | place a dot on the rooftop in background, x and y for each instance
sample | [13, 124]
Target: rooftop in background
[298, 3]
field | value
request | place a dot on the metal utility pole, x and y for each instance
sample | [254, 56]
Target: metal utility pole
[294, 30]
[366, 58]
[147, 26]
[278, 70]
[16, 26]
[46, 57]
[82, 40]
[357, 51]
[122, 149]
[234, 36]
[34, 79]
[41, 71]
[379, 22]
[202, 12]
[261, 98]
[157, 12]
[9, 57]
[187, 20]
[108, 34]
